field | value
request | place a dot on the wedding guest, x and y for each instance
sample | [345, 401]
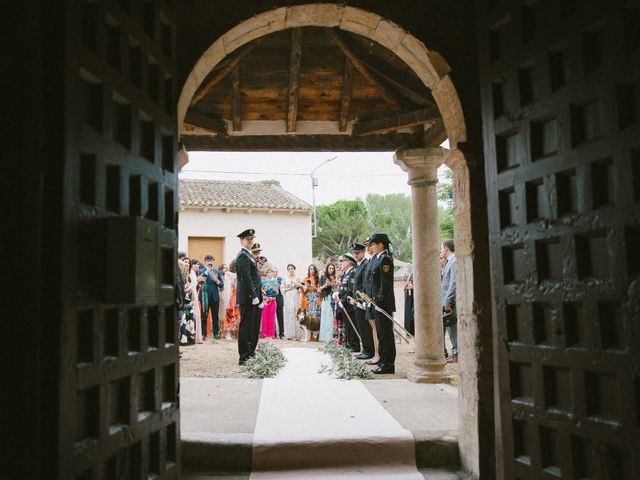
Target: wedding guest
[270, 289]
[310, 298]
[291, 288]
[195, 281]
[231, 310]
[327, 310]
[279, 304]
[408, 305]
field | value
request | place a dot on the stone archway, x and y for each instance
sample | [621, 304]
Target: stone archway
[428, 65]
[433, 71]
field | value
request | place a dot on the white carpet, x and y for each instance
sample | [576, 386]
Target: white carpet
[311, 426]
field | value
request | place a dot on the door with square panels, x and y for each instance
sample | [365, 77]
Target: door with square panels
[561, 109]
[119, 356]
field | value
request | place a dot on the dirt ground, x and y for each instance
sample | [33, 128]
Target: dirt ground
[219, 359]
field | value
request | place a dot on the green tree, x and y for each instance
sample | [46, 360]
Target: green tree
[445, 205]
[392, 214]
[339, 225]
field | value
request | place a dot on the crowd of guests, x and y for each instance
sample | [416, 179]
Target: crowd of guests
[209, 307]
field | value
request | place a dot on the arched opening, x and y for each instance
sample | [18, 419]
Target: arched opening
[431, 69]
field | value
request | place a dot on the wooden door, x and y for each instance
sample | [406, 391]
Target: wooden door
[561, 89]
[118, 402]
[201, 246]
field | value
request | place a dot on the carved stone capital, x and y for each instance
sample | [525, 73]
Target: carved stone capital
[421, 164]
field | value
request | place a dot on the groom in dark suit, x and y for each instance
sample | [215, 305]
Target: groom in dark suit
[248, 296]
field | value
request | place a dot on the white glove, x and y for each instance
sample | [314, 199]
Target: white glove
[340, 304]
[255, 301]
[360, 305]
[378, 308]
[335, 295]
[261, 305]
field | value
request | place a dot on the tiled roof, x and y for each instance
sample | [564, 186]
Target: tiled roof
[217, 193]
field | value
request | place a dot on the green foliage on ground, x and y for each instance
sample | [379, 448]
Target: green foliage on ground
[344, 367]
[267, 362]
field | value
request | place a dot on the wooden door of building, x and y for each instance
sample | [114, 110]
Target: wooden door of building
[118, 404]
[561, 108]
[198, 247]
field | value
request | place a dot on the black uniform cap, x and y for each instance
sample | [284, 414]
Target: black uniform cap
[379, 238]
[256, 247]
[249, 232]
[357, 247]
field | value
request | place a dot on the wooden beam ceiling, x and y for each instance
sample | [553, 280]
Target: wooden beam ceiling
[206, 122]
[345, 101]
[235, 99]
[436, 134]
[294, 78]
[396, 122]
[387, 96]
[301, 143]
[224, 71]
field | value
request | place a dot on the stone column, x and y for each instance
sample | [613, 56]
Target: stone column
[422, 164]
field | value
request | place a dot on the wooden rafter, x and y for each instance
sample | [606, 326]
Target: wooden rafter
[396, 122]
[345, 101]
[294, 78]
[235, 99]
[301, 143]
[224, 71]
[387, 96]
[205, 122]
[436, 134]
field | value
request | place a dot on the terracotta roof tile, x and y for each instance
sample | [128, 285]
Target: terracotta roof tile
[237, 194]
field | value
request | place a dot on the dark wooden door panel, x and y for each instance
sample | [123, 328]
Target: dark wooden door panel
[560, 87]
[119, 366]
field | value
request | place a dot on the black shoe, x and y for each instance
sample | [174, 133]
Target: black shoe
[382, 369]
[242, 361]
[364, 356]
[373, 363]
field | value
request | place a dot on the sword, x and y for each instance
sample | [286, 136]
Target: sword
[367, 299]
[353, 301]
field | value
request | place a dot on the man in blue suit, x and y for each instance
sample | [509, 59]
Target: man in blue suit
[448, 294]
[214, 285]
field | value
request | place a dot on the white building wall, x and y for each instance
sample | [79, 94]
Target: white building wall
[285, 238]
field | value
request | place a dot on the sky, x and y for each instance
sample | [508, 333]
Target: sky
[349, 176]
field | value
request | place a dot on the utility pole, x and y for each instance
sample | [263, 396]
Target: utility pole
[314, 184]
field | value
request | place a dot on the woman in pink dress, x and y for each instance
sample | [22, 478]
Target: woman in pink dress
[270, 290]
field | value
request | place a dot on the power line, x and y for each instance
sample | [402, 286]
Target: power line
[297, 174]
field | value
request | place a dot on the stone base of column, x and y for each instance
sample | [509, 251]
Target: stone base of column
[430, 372]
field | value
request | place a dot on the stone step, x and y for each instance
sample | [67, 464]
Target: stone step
[428, 474]
[232, 453]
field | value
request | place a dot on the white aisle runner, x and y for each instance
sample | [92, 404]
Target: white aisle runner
[311, 426]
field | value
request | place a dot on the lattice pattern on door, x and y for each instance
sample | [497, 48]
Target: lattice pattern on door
[561, 108]
[119, 374]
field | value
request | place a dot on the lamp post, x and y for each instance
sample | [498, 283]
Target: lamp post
[314, 184]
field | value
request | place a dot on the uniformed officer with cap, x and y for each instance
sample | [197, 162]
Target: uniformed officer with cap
[383, 296]
[369, 311]
[364, 327]
[346, 311]
[248, 296]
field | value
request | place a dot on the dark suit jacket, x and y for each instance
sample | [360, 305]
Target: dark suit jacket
[358, 286]
[214, 290]
[382, 283]
[347, 282]
[249, 285]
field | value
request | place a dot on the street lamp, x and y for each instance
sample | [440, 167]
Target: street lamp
[314, 184]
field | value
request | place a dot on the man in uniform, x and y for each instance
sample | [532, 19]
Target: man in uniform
[248, 296]
[385, 304]
[345, 309]
[370, 311]
[364, 327]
